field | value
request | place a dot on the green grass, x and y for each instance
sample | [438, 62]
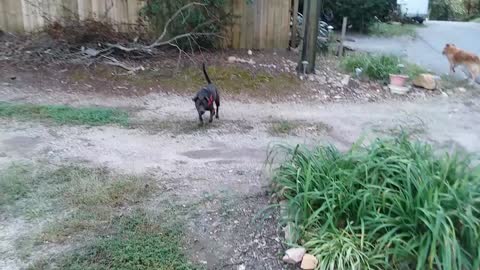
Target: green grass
[136, 243]
[391, 30]
[392, 204]
[379, 67]
[64, 114]
[15, 183]
[95, 215]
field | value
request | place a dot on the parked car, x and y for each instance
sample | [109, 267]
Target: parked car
[416, 10]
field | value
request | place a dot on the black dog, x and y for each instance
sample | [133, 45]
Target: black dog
[205, 97]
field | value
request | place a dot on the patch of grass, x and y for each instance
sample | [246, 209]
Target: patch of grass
[282, 127]
[230, 79]
[392, 204]
[379, 67]
[477, 20]
[15, 183]
[288, 127]
[235, 80]
[391, 30]
[64, 114]
[137, 243]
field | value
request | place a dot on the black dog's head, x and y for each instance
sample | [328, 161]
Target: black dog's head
[201, 103]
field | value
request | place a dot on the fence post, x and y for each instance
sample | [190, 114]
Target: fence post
[342, 39]
[309, 48]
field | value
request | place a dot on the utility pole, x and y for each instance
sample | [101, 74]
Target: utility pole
[311, 15]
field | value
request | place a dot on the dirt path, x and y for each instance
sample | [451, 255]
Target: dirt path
[220, 169]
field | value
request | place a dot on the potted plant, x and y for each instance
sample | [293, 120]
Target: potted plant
[398, 82]
[399, 79]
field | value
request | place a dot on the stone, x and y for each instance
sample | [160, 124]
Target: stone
[232, 59]
[399, 90]
[309, 262]
[250, 52]
[461, 89]
[426, 81]
[294, 255]
[346, 80]
[241, 267]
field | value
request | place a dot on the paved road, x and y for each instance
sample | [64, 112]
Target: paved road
[426, 48]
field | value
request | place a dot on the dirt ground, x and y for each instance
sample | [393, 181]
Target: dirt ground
[219, 168]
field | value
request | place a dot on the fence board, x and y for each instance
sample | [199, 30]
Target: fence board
[258, 25]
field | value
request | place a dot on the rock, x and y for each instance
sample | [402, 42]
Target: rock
[250, 52]
[309, 262]
[294, 255]
[445, 95]
[399, 90]
[311, 78]
[232, 59]
[2, 155]
[461, 89]
[426, 81]
[346, 80]
[241, 267]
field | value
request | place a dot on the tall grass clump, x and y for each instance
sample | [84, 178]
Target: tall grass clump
[379, 67]
[393, 204]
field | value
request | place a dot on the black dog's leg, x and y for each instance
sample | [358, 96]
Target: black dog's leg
[212, 112]
[217, 103]
[201, 118]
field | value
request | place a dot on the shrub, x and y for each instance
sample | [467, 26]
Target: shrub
[361, 13]
[393, 204]
[378, 67]
[212, 18]
[453, 9]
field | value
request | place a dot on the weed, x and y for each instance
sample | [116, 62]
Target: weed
[387, 205]
[391, 30]
[379, 67]
[64, 114]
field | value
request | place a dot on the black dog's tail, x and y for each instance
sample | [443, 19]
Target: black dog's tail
[206, 74]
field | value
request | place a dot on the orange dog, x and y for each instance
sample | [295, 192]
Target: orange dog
[459, 57]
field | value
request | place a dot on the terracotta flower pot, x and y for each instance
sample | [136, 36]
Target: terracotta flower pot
[398, 80]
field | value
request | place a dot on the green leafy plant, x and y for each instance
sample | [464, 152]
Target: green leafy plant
[393, 204]
[379, 67]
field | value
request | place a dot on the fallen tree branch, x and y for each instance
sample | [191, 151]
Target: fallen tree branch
[115, 62]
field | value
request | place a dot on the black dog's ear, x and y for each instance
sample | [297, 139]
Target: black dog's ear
[195, 98]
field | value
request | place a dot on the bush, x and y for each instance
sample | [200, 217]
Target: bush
[393, 204]
[212, 18]
[379, 67]
[454, 10]
[361, 13]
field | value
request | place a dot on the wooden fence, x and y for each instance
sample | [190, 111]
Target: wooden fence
[258, 25]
